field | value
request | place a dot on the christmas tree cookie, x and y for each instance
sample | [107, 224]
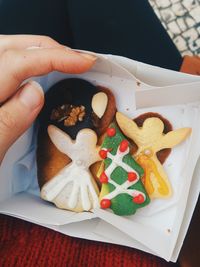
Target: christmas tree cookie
[122, 189]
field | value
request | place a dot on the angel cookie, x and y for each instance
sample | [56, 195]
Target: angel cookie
[73, 188]
[122, 189]
[150, 139]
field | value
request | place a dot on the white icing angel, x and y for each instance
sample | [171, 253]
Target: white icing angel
[74, 188]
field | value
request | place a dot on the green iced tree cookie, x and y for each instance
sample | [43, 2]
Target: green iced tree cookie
[122, 188]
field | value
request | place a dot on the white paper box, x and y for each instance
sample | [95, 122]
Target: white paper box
[136, 86]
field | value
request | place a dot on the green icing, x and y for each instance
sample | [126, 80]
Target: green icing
[122, 204]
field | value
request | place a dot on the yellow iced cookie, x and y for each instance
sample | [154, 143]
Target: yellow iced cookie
[150, 139]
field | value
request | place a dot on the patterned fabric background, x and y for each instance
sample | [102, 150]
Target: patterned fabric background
[181, 19]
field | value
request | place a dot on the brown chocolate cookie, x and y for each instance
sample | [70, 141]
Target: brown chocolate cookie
[68, 105]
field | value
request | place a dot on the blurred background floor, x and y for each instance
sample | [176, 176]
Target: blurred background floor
[181, 19]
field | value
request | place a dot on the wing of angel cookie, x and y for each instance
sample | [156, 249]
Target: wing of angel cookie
[172, 139]
[128, 127]
[60, 139]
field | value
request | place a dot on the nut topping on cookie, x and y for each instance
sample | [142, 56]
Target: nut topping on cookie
[70, 114]
[99, 104]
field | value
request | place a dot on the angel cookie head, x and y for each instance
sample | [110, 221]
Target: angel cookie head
[150, 139]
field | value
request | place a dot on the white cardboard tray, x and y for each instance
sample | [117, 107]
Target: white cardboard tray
[137, 87]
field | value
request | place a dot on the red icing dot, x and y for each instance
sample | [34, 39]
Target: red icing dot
[105, 203]
[123, 145]
[139, 199]
[103, 178]
[103, 153]
[111, 132]
[132, 176]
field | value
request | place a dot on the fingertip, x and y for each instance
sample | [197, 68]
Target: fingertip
[78, 62]
[37, 86]
[83, 63]
[32, 95]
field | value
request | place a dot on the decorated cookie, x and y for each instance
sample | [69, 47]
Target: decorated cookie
[150, 139]
[122, 189]
[71, 105]
[163, 154]
[75, 104]
[73, 187]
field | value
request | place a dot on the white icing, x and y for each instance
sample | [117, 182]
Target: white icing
[83, 153]
[117, 161]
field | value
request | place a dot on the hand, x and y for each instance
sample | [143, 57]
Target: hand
[21, 57]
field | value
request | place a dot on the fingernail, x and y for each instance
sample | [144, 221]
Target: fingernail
[31, 95]
[88, 56]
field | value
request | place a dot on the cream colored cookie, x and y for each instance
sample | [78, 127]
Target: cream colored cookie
[74, 188]
[150, 139]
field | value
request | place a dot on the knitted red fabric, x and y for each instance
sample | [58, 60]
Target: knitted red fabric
[26, 244]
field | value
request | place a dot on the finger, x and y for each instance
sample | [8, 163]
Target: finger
[18, 114]
[21, 41]
[18, 65]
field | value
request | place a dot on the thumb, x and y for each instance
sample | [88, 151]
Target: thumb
[18, 113]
